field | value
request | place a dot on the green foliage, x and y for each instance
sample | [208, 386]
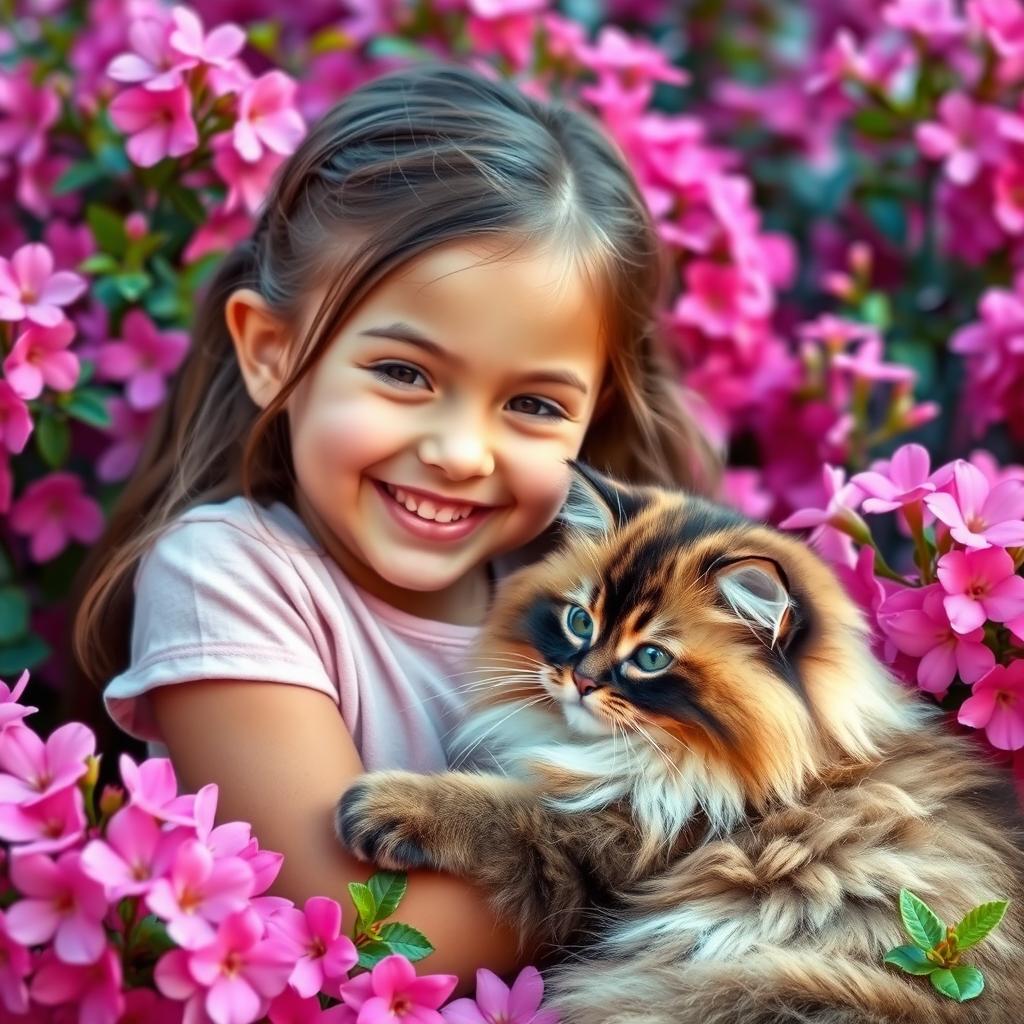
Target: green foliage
[937, 947]
[376, 900]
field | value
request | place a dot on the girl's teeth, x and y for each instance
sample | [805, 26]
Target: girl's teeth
[426, 509]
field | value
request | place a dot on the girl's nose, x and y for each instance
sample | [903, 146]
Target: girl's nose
[460, 455]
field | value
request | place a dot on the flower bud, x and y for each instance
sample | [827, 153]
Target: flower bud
[111, 800]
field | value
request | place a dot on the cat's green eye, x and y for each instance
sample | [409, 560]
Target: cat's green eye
[579, 622]
[651, 659]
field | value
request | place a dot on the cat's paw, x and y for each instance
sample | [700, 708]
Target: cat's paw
[384, 818]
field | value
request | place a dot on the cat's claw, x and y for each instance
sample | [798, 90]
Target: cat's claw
[369, 823]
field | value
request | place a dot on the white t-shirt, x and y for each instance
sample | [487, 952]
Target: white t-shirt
[237, 591]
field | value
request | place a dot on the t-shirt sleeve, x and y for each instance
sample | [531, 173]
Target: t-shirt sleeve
[215, 601]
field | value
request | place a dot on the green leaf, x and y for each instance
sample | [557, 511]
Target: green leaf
[99, 263]
[133, 284]
[14, 611]
[406, 941]
[979, 922]
[186, 202]
[959, 983]
[107, 228]
[79, 176]
[6, 569]
[26, 653]
[372, 953]
[366, 904]
[150, 936]
[388, 888]
[53, 440]
[911, 959]
[923, 927]
[88, 405]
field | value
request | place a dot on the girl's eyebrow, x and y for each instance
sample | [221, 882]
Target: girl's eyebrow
[400, 331]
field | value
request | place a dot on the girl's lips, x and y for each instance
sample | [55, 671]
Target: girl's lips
[427, 529]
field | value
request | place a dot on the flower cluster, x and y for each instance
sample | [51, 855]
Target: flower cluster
[952, 623]
[134, 904]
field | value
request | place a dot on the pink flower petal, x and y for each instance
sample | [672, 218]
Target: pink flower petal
[964, 613]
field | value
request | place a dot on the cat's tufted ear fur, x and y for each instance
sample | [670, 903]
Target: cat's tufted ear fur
[757, 590]
[596, 504]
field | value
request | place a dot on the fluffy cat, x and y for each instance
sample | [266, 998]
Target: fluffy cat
[702, 788]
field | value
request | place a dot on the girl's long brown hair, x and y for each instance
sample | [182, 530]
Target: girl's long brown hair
[430, 154]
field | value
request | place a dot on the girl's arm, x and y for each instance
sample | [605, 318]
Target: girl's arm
[281, 756]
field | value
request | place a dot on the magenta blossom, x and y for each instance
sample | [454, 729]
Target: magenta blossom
[10, 708]
[53, 511]
[40, 357]
[49, 826]
[216, 49]
[248, 181]
[1002, 21]
[30, 289]
[320, 950]
[997, 706]
[27, 112]
[15, 420]
[915, 620]
[152, 61]
[60, 902]
[267, 117]
[978, 514]
[153, 787]
[980, 585]
[496, 1003]
[159, 124]
[128, 428]
[93, 989]
[31, 770]
[616, 52]
[903, 480]
[143, 357]
[933, 20]
[841, 498]
[234, 977]
[391, 993]
[15, 964]
[966, 139]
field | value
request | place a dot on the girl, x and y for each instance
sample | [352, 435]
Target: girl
[451, 291]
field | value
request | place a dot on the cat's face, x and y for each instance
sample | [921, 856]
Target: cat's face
[681, 625]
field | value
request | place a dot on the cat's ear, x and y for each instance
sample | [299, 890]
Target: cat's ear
[757, 590]
[596, 504]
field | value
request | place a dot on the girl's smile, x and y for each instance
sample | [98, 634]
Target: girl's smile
[432, 517]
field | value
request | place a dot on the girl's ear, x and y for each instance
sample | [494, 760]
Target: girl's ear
[261, 344]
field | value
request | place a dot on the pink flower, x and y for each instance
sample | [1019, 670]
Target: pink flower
[835, 333]
[865, 363]
[615, 52]
[291, 1008]
[915, 620]
[965, 139]
[223, 229]
[40, 357]
[321, 951]
[15, 420]
[980, 585]
[717, 299]
[31, 290]
[94, 989]
[978, 514]
[496, 1003]
[997, 706]
[1002, 21]
[159, 124]
[153, 787]
[152, 62]
[1009, 196]
[906, 478]
[60, 902]
[10, 709]
[49, 826]
[234, 977]
[134, 852]
[143, 357]
[247, 181]
[52, 511]
[933, 20]
[216, 50]
[128, 427]
[267, 117]
[199, 891]
[391, 993]
[15, 964]
[69, 243]
[27, 112]
[33, 770]
[841, 499]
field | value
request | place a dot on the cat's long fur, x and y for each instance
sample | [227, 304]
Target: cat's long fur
[722, 843]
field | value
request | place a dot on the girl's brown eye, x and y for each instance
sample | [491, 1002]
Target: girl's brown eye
[531, 406]
[398, 373]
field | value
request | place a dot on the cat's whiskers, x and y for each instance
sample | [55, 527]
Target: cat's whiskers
[493, 682]
[461, 757]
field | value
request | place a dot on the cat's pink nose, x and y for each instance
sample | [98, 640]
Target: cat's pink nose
[583, 684]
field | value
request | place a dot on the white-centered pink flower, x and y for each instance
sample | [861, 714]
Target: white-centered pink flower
[158, 124]
[30, 288]
[906, 478]
[31, 769]
[52, 512]
[977, 513]
[321, 952]
[60, 902]
[40, 357]
[980, 585]
[143, 358]
[153, 786]
[267, 117]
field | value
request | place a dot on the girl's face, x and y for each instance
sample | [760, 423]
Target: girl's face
[433, 433]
